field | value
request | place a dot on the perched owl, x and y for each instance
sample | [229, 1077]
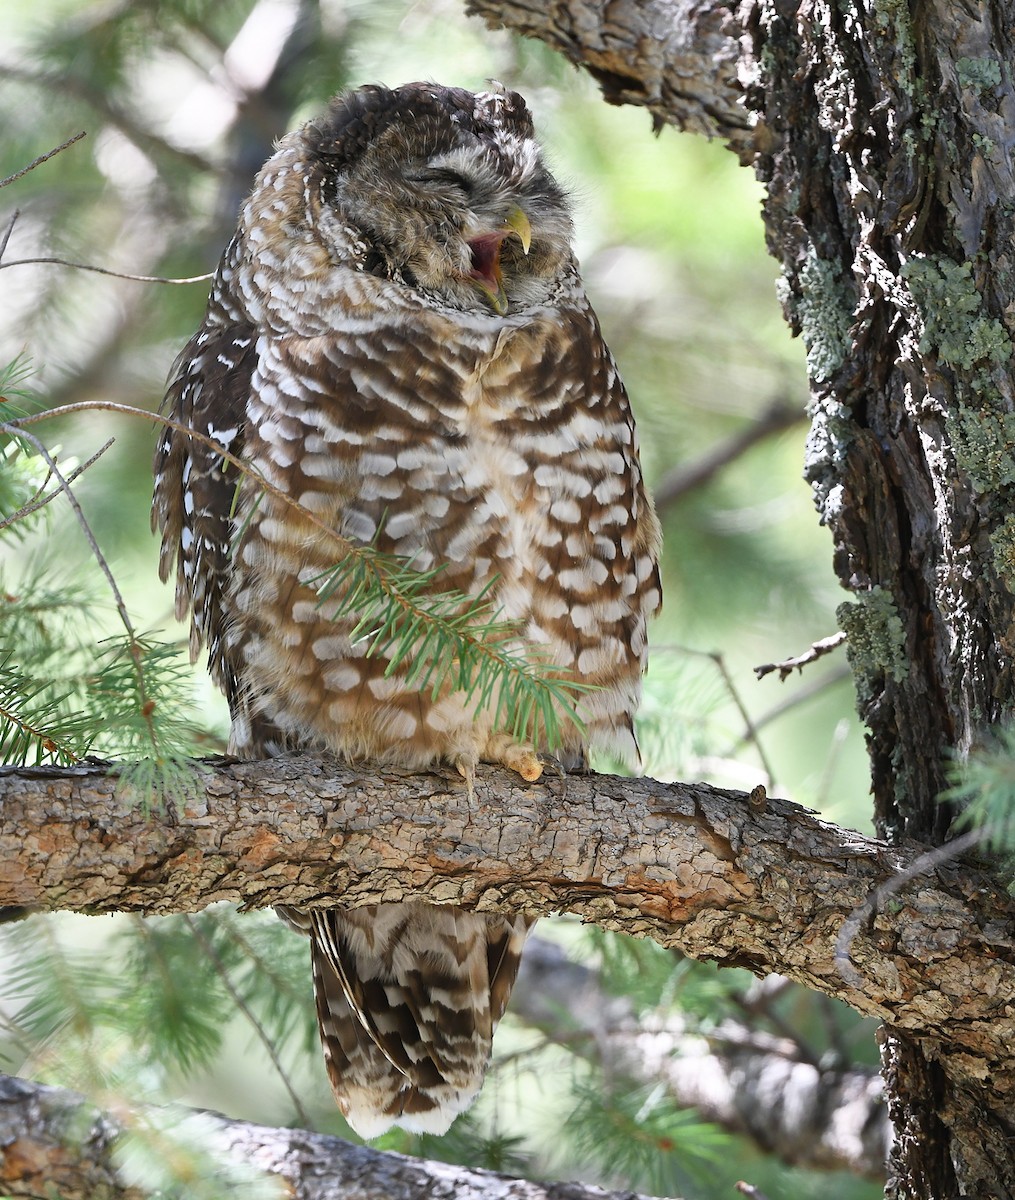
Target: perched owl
[398, 341]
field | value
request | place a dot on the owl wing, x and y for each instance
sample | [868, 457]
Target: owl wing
[195, 485]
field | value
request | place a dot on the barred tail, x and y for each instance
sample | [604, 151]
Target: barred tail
[408, 997]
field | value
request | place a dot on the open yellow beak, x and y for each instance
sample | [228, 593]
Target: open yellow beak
[486, 272]
[518, 223]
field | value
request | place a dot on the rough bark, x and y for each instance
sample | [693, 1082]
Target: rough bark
[884, 133]
[53, 1143]
[764, 886]
[812, 1114]
[673, 57]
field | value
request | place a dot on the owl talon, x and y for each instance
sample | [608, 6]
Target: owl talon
[466, 767]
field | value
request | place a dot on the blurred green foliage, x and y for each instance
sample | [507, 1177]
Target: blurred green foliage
[180, 100]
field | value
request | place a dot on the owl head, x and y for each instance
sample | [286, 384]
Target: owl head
[434, 189]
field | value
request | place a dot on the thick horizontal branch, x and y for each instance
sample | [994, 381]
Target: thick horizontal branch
[52, 1142]
[680, 59]
[825, 1117]
[761, 884]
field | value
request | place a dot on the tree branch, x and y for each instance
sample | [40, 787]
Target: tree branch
[809, 1114]
[677, 58]
[50, 1143]
[691, 866]
[685, 477]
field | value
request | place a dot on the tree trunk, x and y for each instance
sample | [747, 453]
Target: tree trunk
[883, 132]
[889, 206]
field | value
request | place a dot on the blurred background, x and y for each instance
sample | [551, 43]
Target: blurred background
[181, 101]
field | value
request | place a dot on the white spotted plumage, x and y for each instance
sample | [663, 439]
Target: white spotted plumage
[398, 339]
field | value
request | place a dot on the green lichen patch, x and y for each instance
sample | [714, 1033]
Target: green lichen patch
[985, 145]
[825, 310]
[876, 642]
[1002, 543]
[954, 323]
[984, 444]
[978, 73]
[893, 21]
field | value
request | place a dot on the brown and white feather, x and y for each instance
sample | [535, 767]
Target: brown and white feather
[369, 354]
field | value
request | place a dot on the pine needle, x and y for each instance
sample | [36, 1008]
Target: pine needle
[450, 639]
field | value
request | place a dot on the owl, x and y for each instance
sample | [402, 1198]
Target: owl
[398, 352]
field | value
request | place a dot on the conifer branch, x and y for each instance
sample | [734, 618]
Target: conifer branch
[693, 867]
[54, 1142]
[399, 609]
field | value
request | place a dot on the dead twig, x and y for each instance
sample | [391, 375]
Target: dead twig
[42, 158]
[63, 262]
[8, 230]
[779, 415]
[818, 650]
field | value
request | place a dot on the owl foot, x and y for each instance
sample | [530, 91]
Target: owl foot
[516, 756]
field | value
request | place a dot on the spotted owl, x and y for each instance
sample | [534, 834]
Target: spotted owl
[398, 350]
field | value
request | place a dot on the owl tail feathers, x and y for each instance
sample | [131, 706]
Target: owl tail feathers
[408, 996]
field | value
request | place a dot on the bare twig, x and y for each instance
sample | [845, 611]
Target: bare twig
[805, 693]
[42, 158]
[818, 650]
[9, 229]
[35, 504]
[63, 262]
[780, 415]
[750, 728]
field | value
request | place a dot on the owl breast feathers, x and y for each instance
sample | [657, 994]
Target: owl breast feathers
[398, 349]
